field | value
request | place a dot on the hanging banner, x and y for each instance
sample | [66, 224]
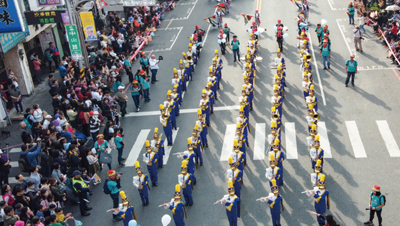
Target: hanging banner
[10, 17]
[88, 26]
[73, 39]
[65, 18]
[9, 40]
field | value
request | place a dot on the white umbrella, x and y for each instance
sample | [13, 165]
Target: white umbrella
[393, 8]
[258, 32]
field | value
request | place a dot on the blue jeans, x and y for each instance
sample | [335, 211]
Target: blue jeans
[325, 60]
[136, 100]
[120, 150]
[146, 94]
[153, 75]
[350, 75]
[18, 106]
[351, 18]
[236, 52]
[362, 28]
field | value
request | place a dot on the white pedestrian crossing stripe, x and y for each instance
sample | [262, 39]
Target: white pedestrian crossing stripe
[355, 139]
[259, 142]
[137, 147]
[227, 146]
[323, 139]
[291, 143]
[388, 137]
[167, 148]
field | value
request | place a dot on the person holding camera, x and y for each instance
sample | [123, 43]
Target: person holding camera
[113, 185]
[376, 202]
[357, 39]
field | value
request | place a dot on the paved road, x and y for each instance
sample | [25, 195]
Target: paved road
[359, 126]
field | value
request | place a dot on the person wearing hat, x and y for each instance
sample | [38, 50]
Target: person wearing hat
[185, 181]
[157, 145]
[122, 100]
[316, 176]
[151, 160]
[201, 122]
[279, 156]
[227, 5]
[227, 31]
[101, 146]
[81, 189]
[141, 182]
[257, 17]
[376, 202]
[94, 124]
[321, 199]
[190, 157]
[231, 202]
[272, 172]
[197, 145]
[210, 95]
[325, 52]
[312, 99]
[47, 121]
[350, 12]
[165, 120]
[204, 105]
[200, 33]
[170, 105]
[317, 153]
[351, 70]
[177, 207]
[113, 184]
[144, 62]
[236, 176]
[135, 93]
[125, 210]
[218, 16]
[222, 41]
[275, 201]
[176, 96]
[319, 32]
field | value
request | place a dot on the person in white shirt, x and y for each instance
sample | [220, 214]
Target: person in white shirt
[96, 95]
[47, 121]
[37, 113]
[357, 39]
[154, 68]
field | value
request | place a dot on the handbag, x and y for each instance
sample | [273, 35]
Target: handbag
[105, 158]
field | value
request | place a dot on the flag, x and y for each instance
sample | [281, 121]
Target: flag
[212, 20]
[246, 17]
[222, 7]
[298, 3]
[301, 16]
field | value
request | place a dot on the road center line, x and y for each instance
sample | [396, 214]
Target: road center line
[169, 23]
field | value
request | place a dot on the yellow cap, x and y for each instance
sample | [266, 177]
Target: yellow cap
[196, 127]
[208, 83]
[238, 125]
[305, 73]
[175, 71]
[276, 77]
[248, 56]
[316, 137]
[245, 76]
[199, 111]
[169, 92]
[175, 86]
[318, 163]
[273, 181]
[147, 143]
[322, 178]
[191, 39]
[306, 65]
[177, 188]
[247, 64]
[230, 184]
[275, 87]
[252, 42]
[204, 91]
[251, 34]
[156, 130]
[301, 51]
[123, 196]
[184, 54]
[189, 141]
[137, 164]
[161, 107]
[279, 50]
[310, 106]
[216, 51]
[302, 33]
[181, 61]
[241, 108]
[184, 164]
[210, 69]
[271, 157]
[190, 44]
[312, 87]
[314, 127]
[273, 109]
[273, 124]
[279, 68]
[243, 87]
[230, 160]
[235, 143]
[305, 42]
[248, 49]
[276, 142]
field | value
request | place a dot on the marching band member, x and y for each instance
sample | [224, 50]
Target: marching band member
[279, 156]
[157, 146]
[190, 157]
[249, 73]
[275, 134]
[312, 99]
[125, 210]
[182, 74]
[141, 182]
[185, 181]
[254, 29]
[201, 122]
[311, 137]
[253, 41]
[166, 122]
[218, 59]
[213, 80]
[204, 105]
[312, 118]
[231, 202]
[244, 122]
[150, 158]
[249, 91]
[235, 175]
[192, 53]
[275, 202]
[277, 100]
[277, 82]
[241, 140]
[272, 172]
[317, 153]
[210, 95]
[170, 105]
[177, 207]
[217, 71]
[279, 59]
[197, 145]
[244, 102]
[176, 81]
[306, 86]
[321, 199]
[177, 99]
[188, 69]
[316, 176]
[237, 156]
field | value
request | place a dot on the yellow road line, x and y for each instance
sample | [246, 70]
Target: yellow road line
[259, 6]
[169, 23]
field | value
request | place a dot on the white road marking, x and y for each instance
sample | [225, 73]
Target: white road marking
[355, 139]
[227, 147]
[12, 180]
[167, 148]
[344, 37]
[14, 163]
[330, 4]
[319, 77]
[172, 45]
[259, 142]
[323, 139]
[388, 137]
[15, 150]
[181, 111]
[137, 147]
[291, 143]
[367, 68]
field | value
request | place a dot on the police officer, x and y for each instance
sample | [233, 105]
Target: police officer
[81, 189]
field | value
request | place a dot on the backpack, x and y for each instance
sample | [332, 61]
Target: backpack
[384, 199]
[106, 190]
[27, 122]
[23, 164]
